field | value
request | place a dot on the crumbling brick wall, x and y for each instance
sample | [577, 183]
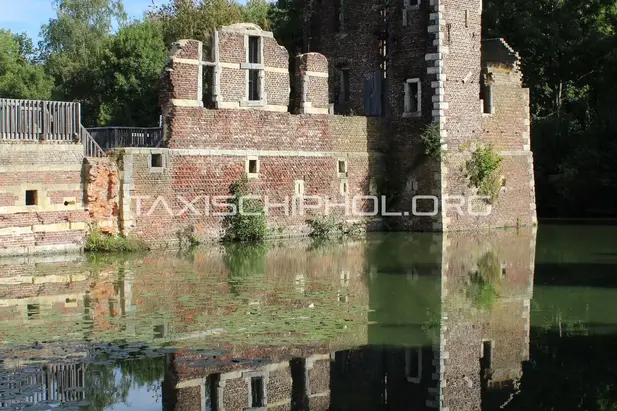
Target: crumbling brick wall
[101, 186]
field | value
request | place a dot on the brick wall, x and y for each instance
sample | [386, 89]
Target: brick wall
[209, 150]
[56, 222]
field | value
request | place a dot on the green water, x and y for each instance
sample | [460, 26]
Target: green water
[518, 320]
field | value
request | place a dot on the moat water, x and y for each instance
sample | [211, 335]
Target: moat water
[508, 319]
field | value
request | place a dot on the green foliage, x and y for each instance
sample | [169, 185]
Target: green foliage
[287, 20]
[483, 170]
[482, 285]
[20, 76]
[73, 46]
[105, 243]
[130, 75]
[328, 227]
[568, 60]
[181, 19]
[256, 11]
[248, 225]
[431, 138]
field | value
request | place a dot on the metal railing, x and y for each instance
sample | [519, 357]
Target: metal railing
[113, 137]
[35, 120]
[91, 147]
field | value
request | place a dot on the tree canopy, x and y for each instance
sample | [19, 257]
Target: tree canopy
[20, 76]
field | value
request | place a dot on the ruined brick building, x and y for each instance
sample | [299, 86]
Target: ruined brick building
[376, 74]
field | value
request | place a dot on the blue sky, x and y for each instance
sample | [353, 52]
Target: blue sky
[29, 15]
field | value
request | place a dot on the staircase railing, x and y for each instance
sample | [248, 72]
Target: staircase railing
[91, 147]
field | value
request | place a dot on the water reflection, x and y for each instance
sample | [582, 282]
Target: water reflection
[396, 322]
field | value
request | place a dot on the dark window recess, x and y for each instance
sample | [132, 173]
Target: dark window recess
[208, 86]
[487, 355]
[254, 54]
[257, 392]
[413, 366]
[345, 84]
[34, 310]
[209, 397]
[341, 166]
[252, 166]
[254, 92]
[160, 331]
[486, 94]
[31, 197]
[156, 160]
[414, 94]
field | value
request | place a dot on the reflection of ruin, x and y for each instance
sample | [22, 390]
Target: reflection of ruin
[449, 330]
[448, 323]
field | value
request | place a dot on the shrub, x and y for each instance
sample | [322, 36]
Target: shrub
[250, 225]
[325, 227]
[431, 138]
[483, 171]
[106, 243]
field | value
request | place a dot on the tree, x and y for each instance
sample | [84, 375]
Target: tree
[130, 75]
[20, 76]
[569, 62]
[188, 19]
[257, 11]
[287, 21]
[73, 45]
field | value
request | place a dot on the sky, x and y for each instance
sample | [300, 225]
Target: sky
[29, 15]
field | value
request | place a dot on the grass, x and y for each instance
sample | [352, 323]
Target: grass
[106, 243]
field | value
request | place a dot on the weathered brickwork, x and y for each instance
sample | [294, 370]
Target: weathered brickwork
[102, 193]
[41, 194]
[312, 84]
[436, 44]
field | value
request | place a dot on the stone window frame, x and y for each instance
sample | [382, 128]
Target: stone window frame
[407, 96]
[163, 161]
[42, 200]
[344, 186]
[339, 173]
[299, 188]
[409, 7]
[417, 373]
[247, 376]
[247, 66]
[491, 346]
[487, 107]
[34, 196]
[247, 166]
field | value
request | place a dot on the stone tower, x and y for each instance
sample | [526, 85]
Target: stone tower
[421, 62]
